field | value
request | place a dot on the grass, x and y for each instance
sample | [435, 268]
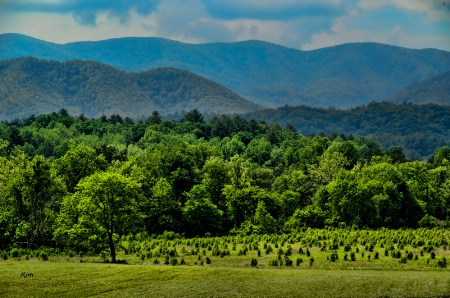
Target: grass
[415, 274]
[71, 279]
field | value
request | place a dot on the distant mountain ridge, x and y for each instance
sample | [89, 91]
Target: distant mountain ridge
[271, 75]
[35, 86]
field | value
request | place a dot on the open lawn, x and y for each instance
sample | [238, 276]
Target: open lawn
[74, 279]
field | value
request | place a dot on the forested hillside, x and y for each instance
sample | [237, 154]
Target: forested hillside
[419, 129]
[32, 86]
[432, 90]
[81, 184]
[271, 75]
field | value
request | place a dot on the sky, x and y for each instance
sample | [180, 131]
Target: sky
[299, 24]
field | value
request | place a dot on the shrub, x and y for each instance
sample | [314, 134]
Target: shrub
[254, 262]
[14, 252]
[311, 261]
[442, 262]
[273, 262]
[396, 254]
[44, 256]
[173, 261]
[433, 255]
[410, 255]
[403, 260]
[299, 261]
[334, 257]
[182, 262]
[288, 262]
[352, 256]
[208, 260]
[156, 261]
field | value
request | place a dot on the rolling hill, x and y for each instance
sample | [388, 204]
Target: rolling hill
[34, 86]
[432, 90]
[418, 129]
[271, 75]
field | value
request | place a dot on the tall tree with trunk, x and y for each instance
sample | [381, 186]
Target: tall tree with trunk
[104, 207]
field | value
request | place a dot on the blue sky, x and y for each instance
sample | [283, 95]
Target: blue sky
[300, 24]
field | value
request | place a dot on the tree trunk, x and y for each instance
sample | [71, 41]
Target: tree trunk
[112, 248]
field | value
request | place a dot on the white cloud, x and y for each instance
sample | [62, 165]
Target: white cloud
[416, 25]
[199, 21]
[434, 9]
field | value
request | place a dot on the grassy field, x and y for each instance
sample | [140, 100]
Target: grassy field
[317, 263]
[74, 279]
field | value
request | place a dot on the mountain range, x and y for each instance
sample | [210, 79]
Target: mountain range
[35, 86]
[341, 76]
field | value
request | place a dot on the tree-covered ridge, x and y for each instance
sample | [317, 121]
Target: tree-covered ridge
[78, 183]
[418, 129]
[32, 86]
[431, 90]
[268, 74]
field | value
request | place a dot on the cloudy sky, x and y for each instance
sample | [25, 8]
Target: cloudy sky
[300, 24]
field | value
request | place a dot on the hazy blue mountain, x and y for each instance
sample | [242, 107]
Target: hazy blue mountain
[271, 75]
[419, 129]
[35, 86]
[432, 90]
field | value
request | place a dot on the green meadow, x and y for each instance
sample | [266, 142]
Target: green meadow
[316, 263]
[71, 279]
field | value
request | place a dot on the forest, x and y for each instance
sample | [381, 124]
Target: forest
[418, 129]
[80, 184]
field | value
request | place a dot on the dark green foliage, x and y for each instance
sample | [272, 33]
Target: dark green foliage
[14, 253]
[288, 262]
[442, 262]
[410, 255]
[253, 262]
[273, 262]
[396, 254]
[419, 129]
[173, 261]
[334, 257]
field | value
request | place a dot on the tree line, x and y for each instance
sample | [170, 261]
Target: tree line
[418, 129]
[77, 183]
